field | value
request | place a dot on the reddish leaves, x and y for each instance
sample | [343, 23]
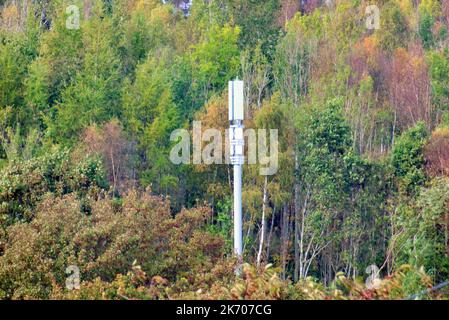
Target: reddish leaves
[409, 87]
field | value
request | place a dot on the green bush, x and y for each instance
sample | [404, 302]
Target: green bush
[23, 184]
[408, 159]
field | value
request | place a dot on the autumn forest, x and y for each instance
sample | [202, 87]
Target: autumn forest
[93, 207]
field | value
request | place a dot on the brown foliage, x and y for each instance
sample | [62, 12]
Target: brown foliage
[104, 244]
[367, 111]
[437, 153]
[110, 142]
[215, 114]
[403, 79]
[409, 87]
[366, 59]
[10, 17]
[288, 10]
[262, 283]
[445, 11]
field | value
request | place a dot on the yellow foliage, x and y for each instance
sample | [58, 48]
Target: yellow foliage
[161, 13]
[441, 133]
[409, 12]
[431, 6]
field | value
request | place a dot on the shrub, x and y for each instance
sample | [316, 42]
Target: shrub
[437, 153]
[104, 244]
[408, 159]
[261, 283]
[24, 184]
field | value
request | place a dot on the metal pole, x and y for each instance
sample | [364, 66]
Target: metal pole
[236, 117]
[238, 217]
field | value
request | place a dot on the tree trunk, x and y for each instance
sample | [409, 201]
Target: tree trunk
[296, 245]
[270, 235]
[263, 226]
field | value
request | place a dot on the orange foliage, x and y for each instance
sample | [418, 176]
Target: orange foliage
[409, 87]
[366, 58]
[216, 114]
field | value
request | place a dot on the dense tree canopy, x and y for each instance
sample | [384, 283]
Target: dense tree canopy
[87, 112]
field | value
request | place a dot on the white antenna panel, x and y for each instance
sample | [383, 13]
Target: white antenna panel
[236, 110]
